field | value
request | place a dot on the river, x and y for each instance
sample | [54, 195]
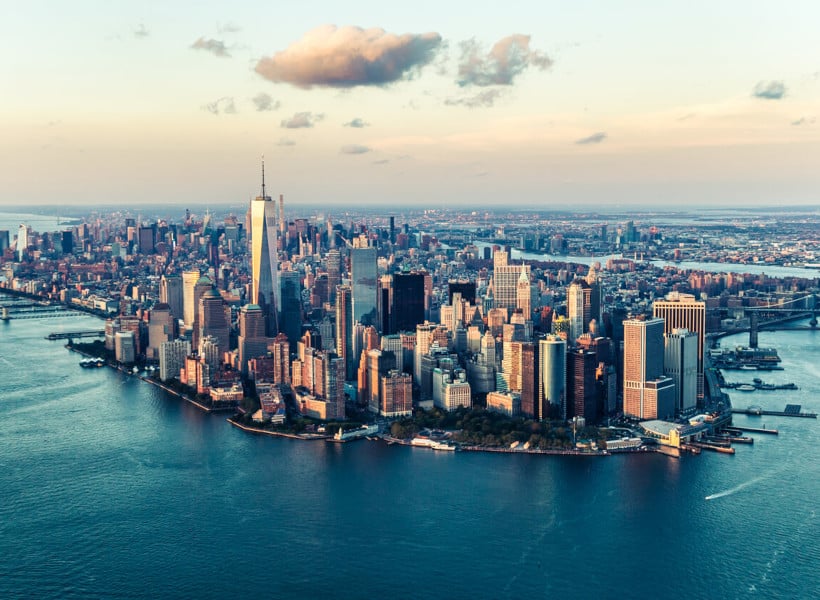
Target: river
[109, 487]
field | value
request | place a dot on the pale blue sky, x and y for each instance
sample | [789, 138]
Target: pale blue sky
[104, 100]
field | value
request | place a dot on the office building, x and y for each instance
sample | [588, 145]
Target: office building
[681, 364]
[643, 364]
[170, 293]
[682, 311]
[264, 258]
[552, 354]
[363, 274]
[189, 280]
[172, 358]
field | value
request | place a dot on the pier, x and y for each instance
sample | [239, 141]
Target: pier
[791, 410]
[753, 430]
[68, 335]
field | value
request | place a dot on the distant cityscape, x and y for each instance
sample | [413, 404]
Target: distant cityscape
[314, 325]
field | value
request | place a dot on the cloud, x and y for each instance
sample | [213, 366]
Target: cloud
[507, 59]
[382, 161]
[222, 105]
[285, 142]
[302, 120]
[803, 121]
[228, 28]
[357, 123]
[345, 57]
[484, 98]
[686, 117]
[264, 102]
[354, 149]
[141, 32]
[215, 47]
[595, 138]
[769, 90]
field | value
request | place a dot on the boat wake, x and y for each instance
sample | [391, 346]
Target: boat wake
[735, 489]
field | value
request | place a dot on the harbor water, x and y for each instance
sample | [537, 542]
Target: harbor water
[111, 488]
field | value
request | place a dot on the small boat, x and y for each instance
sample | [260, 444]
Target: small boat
[746, 387]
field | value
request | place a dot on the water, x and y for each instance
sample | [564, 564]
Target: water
[110, 488]
[11, 221]
[708, 267]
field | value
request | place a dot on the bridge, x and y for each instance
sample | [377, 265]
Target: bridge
[68, 335]
[780, 316]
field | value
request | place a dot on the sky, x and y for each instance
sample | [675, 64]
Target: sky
[437, 104]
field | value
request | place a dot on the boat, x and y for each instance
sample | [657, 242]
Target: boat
[443, 446]
[353, 434]
[746, 387]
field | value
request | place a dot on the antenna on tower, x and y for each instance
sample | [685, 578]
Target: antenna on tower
[263, 176]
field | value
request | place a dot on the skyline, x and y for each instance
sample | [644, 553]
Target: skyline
[538, 106]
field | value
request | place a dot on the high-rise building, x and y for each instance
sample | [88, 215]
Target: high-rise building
[4, 240]
[505, 284]
[170, 293]
[648, 393]
[530, 380]
[553, 371]
[682, 311]
[681, 364]
[344, 330]
[160, 329]
[189, 279]
[523, 294]
[582, 387]
[252, 342]
[67, 241]
[214, 320]
[172, 358]
[363, 273]
[264, 259]
[407, 302]
[22, 241]
[578, 308]
[203, 285]
[334, 272]
[290, 322]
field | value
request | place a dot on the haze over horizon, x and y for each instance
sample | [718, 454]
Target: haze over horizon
[427, 104]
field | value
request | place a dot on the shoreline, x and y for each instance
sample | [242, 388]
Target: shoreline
[158, 384]
[292, 436]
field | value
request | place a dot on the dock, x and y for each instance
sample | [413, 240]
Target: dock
[67, 335]
[754, 430]
[791, 410]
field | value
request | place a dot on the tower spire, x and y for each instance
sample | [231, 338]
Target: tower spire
[263, 176]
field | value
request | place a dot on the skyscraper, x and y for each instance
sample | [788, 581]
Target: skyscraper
[291, 305]
[648, 393]
[170, 292]
[344, 330]
[160, 329]
[264, 258]
[553, 370]
[214, 320]
[681, 364]
[363, 273]
[578, 308]
[682, 311]
[252, 340]
[189, 279]
[22, 241]
[407, 302]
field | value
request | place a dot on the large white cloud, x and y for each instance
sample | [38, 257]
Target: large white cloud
[349, 56]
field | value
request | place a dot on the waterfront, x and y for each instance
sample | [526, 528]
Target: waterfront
[109, 487]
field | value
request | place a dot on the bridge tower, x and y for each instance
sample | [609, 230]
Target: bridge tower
[813, 322]
[753, 326]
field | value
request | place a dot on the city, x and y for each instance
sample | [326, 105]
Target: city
[373, 300]
[594, 339]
